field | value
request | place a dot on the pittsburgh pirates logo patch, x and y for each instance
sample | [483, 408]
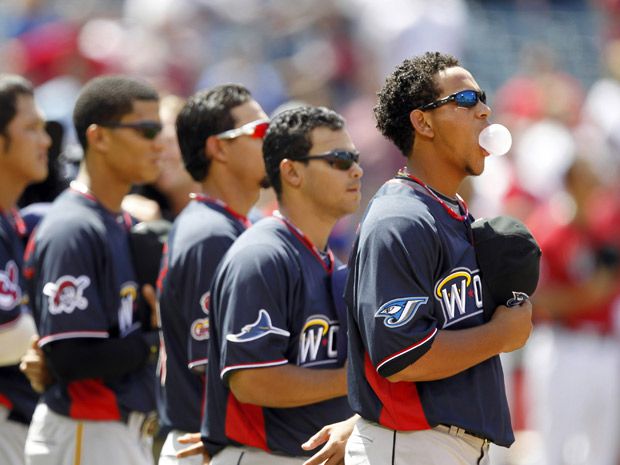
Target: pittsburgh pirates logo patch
[10, 292]
[261, 327]
[67, 294]
[399, 312]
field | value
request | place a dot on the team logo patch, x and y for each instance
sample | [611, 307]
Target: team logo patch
[399, 312]
[10, 292]
[318, 341]
[129, 296]
[205, 301]
[455, 290]
[67, 294]
[261, 327]
[200, 329]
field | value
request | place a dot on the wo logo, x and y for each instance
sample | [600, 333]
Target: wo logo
[399, 312]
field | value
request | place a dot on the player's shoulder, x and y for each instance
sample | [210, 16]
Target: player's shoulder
[199, 224]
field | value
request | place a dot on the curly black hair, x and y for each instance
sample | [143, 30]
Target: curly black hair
[289, 136]
[411, 85]
[205, 114]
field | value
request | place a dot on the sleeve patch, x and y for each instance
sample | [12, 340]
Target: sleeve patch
[399, 312]
[261, 327]
[10, 292]
[67, 294]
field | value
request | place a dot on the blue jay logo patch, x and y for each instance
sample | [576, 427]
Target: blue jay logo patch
[399, 312]
[261, 327]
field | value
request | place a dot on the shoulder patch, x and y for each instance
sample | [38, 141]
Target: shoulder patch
[261, 327]
[10, 292]
[399, 312]
[67, 294]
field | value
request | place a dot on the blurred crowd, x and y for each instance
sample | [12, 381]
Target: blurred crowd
[561, 177]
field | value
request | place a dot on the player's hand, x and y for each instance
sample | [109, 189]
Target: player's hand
[149, 294]
[335, 438]
[515, 323]
[34, 367]
[196, 447]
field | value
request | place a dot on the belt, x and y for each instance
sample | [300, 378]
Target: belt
[462, 433]
[146, 423]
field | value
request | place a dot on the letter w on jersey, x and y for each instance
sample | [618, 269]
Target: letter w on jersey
[399, 312]
[460, 294]
[261, 327]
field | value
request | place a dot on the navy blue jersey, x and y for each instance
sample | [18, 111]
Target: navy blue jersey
[199, 238]
[83, 286]
[271, 304]
[414, 272]
[15, 391]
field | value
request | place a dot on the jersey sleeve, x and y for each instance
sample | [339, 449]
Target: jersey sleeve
[69, 286]
[394, 264]
[205, 258]
[252, 293]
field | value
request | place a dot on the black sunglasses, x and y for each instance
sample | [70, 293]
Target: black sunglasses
[147, 129]
[339, 159]
[464, 98]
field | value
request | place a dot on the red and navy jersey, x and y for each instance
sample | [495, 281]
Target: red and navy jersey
[274, 301]
[198, 240]
[413, 272]
[83, 286]
[15, 391]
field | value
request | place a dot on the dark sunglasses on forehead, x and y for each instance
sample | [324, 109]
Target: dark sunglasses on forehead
[464, 98]
[147, 129]
[339, 159]
[254, 129]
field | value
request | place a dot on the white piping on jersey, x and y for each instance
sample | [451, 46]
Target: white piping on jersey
[73, 334]
[408, 349]
[253, 365]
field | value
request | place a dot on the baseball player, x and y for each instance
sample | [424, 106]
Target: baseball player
[220, 133]
[277, 324]
[84, 290]
[424, 371]
[23, 160]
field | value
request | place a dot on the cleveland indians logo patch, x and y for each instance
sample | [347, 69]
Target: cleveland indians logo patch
[399, 312]
[10, 292]
[200, 326]
[67, 294]
[261, 327]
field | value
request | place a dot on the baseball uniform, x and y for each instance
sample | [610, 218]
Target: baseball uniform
[83, 286]
[273, 302]
[199, 238]
[17, 399]
[413, 273]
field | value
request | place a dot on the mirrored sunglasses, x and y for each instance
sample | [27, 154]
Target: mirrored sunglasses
[340, 159]
[254, 129]
[147, 129]
[464, 98]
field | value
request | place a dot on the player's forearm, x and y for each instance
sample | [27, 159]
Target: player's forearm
[287, 385]
[451, 353]
[15, 339]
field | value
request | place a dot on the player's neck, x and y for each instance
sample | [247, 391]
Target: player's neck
[10, 191]
[317, 226]
[108, 191]
[435, 174]
[227, 190]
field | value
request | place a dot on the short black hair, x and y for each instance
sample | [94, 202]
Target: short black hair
[411, 85]
[107, 99]
[289, 135]
[11, 86]
[205, 114]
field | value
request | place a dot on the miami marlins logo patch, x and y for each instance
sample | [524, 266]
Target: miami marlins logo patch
[261, 327]
[399, 312]
[10, 292]
[67, 294]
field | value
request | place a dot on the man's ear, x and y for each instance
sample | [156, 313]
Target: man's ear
[214, 149]
[290, 173]
[422, 123]
[97, 137]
